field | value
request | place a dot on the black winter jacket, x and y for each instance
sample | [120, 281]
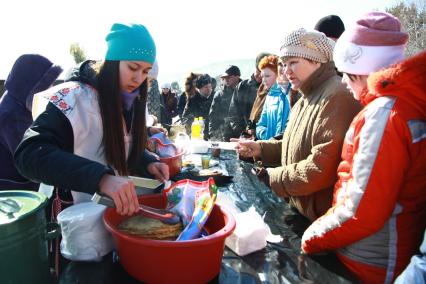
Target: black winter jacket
[241, 105]
[46, 152]
[218, 115]
[197, 106]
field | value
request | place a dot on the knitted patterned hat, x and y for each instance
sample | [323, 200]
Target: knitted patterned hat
[375, 42]
[310, 45]
[130, 42]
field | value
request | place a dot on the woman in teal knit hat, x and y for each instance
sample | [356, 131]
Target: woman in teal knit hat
[90, 133]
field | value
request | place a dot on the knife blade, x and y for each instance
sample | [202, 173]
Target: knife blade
[146, 185]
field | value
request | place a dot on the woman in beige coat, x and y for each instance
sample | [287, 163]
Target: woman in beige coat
[307, 157]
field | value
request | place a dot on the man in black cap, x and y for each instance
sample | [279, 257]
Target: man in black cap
[231, 77]
[332, 26]
[218, 129]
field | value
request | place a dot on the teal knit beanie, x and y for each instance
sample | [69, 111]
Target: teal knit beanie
[130, 42]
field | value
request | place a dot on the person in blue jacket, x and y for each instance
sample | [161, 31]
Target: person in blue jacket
[91, 133]
[276, 109]
[415, 272]
[30, 74]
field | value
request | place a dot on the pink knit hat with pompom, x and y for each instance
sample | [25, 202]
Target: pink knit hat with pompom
[374, 43]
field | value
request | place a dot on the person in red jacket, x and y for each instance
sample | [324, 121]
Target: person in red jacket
[378, 215]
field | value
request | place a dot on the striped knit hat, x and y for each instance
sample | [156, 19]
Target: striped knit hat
[310, 45]
[375, 42]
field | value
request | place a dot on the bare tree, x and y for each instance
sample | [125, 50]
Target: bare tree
[77, 52]
[412, 15]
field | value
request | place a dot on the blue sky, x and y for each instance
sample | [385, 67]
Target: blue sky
[188, 33]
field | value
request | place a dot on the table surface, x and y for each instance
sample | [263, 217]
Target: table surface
[277, 263]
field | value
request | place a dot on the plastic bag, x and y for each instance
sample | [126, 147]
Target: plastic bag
[161, 145]
[84, 236]
[250, 233]
[193, 202]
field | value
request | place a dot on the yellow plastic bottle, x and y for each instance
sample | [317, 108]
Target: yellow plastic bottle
[195, 129]
[202, 125]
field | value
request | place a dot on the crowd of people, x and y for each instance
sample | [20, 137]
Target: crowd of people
[335, 123]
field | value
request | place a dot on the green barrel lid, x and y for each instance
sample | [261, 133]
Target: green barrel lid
[16, 204]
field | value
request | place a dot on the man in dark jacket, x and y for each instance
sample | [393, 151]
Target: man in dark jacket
[30, 74]
[218, 115]
[242, 103]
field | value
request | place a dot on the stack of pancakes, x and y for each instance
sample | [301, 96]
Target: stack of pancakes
[149, 228]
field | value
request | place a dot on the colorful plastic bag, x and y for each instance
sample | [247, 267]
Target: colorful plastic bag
[193, 202]
[161, 145]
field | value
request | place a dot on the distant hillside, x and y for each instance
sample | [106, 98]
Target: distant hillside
[214, 69]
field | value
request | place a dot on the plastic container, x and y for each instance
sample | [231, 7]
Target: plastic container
[198, 146]
[174, 163]
[154, 261]
[195, 129]
[202, 126]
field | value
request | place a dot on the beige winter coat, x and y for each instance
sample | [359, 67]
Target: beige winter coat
[312, 143]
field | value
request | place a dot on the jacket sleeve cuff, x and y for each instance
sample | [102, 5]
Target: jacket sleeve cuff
[99, 175]
[275, 181]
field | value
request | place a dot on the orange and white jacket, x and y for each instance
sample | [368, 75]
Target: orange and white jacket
[378, 215]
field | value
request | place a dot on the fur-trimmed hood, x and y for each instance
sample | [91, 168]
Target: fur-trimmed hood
[85, 72]
[405, 80]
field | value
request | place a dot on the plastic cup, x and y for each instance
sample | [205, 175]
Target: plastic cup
[215, 150]
[205, 161]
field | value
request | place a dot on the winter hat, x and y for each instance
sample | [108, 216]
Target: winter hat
[202, 80]
[153, 73]
[311, 45]
[376, 41]
[259, 57]
[232, 70]
[331, 26]
[165, 86]
[130, 42]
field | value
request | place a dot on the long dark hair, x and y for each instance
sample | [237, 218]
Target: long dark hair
[111, 108]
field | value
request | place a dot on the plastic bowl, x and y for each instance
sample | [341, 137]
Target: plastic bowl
[174, 163]
[155, 261]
